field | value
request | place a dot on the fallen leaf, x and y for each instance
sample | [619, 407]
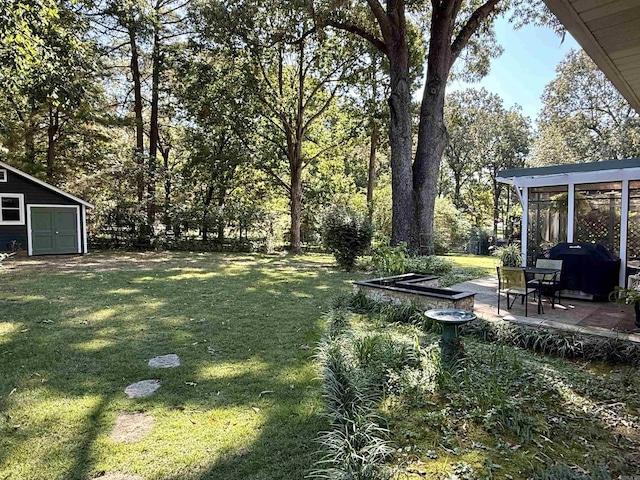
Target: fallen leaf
[25, 330]
[256, 409]
[13, 391]
[265, 392]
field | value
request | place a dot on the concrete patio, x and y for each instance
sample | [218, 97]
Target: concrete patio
[595, 318]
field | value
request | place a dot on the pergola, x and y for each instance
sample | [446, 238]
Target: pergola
[596, 202]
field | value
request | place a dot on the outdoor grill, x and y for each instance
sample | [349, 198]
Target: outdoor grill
[587, 268]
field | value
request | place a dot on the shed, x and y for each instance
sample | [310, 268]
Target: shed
[39, 217]
[597, 202]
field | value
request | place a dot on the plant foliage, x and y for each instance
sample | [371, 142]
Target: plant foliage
[346, 235]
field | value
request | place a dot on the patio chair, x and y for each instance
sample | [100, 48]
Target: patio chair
[548, 284]
[511, 281]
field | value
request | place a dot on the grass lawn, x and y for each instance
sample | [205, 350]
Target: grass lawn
[468, 267]
[485, 263]
[244, 404]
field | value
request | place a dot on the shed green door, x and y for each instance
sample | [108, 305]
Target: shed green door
[54, 230]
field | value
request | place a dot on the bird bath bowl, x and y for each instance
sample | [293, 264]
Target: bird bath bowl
[450, 319]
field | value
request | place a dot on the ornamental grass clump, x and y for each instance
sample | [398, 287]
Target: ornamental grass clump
[356, 446]
[509, 255]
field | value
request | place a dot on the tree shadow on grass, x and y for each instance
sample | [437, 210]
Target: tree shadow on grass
[91, 334]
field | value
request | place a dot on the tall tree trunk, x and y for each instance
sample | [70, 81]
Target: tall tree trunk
[29, 137]
[52, 130]
[432, 133]
[167, 187]
[153, 128]
[205, 213]
[137, 108]
[400, 140]
[221, 200]
[296, 162]
[456, 190]
[371, 180]
[373, 125]
[296, 209]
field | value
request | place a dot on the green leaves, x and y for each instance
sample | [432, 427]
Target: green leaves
[584, 117]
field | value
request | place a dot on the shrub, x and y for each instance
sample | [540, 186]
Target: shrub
[346, 235]
[452, 227]
[431, 265]
[509, 255]
[388, 260]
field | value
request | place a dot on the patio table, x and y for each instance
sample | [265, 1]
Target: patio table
[548, 274]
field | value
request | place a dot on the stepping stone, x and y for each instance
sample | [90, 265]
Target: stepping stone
[142, 389]
[119, 476]
[165, 361]
[131, 427]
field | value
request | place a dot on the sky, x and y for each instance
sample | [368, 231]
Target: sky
[526, 66]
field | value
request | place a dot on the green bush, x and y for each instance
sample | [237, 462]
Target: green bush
[346, 235]
[430, 265]
[452, 227]
[509, 255]
[388, 260]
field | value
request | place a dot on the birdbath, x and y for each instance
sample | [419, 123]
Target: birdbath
[450, 319]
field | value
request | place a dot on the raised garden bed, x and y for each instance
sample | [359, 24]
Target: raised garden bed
[421, 290]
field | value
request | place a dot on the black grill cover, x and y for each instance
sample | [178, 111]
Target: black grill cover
[587, 267]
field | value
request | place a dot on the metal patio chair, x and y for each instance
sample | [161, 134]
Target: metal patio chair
[512, 281]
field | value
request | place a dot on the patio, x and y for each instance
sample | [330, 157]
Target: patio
[595, 318]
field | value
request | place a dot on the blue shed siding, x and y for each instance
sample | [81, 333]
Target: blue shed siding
[33, 194]
[10, 234]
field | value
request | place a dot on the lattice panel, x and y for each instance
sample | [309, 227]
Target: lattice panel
[633, 239]
[598, 227]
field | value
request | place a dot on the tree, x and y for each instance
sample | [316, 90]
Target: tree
[220, 130]
[453, 23]
[51, 95]
[463, 112]
[584, 118]
[296, 75]
[485, 138]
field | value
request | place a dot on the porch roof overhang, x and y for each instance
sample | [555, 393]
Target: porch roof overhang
[606, 171]
[609, 31]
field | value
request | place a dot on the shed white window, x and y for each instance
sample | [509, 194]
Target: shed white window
[11, 209]
[3, 175]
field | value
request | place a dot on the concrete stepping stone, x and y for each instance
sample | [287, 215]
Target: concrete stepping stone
[142, 389]
[131, 427]
[165, 361]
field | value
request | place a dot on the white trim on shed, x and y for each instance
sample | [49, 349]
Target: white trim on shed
[46, 205]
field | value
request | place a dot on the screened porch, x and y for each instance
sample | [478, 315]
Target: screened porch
[596, 203]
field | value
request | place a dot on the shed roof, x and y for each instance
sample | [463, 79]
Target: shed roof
[608, 30]
[44, 184]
